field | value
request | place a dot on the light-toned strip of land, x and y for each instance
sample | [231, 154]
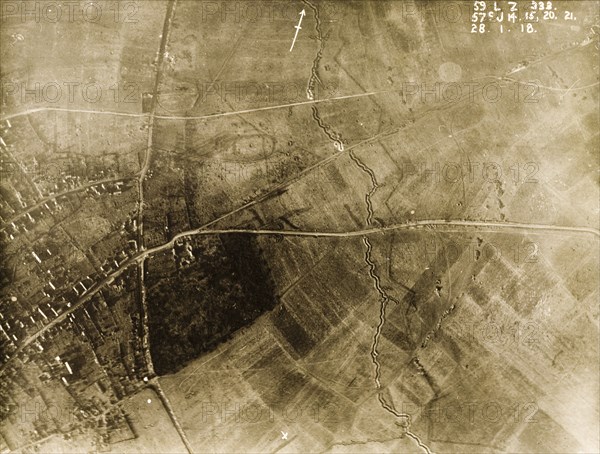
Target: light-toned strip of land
[200, 117]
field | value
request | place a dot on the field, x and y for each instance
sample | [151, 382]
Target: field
[383, 238]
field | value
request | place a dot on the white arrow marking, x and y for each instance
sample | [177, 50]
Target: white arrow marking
[298, 28]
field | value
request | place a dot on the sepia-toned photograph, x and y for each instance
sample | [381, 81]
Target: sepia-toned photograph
[299, 226]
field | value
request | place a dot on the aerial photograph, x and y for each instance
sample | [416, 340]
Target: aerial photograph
[299, 226]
